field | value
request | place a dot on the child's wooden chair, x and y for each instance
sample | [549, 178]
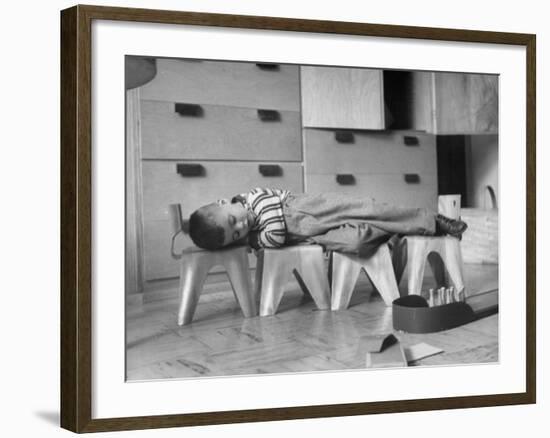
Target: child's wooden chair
[276, 266]
[195, 263]
[440, 251]
[345, 269]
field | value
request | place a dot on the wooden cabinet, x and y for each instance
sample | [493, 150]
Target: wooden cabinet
[224, 119]
[454, 103]
[366, 99]
[347, 98]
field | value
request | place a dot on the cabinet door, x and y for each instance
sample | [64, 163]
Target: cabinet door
[466, 103]
[335, 97]
[454, 103]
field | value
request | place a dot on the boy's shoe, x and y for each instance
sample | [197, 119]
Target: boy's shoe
[452, 227]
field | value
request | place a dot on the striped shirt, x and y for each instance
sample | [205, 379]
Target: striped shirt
[269, 228]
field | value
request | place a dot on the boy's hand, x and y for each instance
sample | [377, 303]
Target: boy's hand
[254, 240]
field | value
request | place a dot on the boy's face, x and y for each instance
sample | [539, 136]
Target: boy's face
[235, 219]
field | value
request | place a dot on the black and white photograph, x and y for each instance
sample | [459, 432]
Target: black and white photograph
[270, 219]
[285, 218]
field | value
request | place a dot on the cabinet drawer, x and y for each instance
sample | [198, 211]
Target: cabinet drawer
[162, 186]
[384, 152]
[218, 133]
[390, 188]
[241, 84]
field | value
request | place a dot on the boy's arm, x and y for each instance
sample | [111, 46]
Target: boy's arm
[241, 197]
[266, 239]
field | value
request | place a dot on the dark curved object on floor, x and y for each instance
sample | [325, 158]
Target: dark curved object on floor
[413, 315]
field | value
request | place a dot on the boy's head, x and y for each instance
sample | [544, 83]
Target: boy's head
[219, 224]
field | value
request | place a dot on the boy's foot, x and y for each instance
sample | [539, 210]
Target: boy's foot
[452, 227]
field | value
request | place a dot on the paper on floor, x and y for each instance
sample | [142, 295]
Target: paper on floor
[420, 351]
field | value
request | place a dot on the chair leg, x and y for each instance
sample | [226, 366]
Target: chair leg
[453, 261]
[239, 276]
[399, 259]
[344, 277]
[416, 261]
[193, 272]
[312, 272]
[273, 280]
[380, 271]
[437, 264]
[258, 279]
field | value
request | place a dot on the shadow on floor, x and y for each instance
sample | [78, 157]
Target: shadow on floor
[51, 417]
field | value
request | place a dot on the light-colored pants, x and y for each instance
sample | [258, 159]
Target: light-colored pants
[351, 224]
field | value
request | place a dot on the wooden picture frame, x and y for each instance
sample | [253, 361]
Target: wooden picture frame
[76, 218]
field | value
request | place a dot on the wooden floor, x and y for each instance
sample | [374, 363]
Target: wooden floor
[298, 338]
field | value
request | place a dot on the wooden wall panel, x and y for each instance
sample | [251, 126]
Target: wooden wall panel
[133, 194]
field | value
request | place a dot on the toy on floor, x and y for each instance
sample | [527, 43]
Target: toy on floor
[443, 295]
[416, 314]
[386, 351]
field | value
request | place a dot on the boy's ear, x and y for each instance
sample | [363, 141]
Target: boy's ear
[185, 226]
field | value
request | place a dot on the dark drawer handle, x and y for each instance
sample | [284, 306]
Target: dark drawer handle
[189, 110]
[269, 115]
[410, 140]
[267, 66]
[270, 170]
[344, 137]
[412, 178]
[345, 179]
[190, 170]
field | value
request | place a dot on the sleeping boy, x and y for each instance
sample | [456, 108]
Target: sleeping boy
[271, 218]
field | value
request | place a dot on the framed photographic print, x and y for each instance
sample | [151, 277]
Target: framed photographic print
[270, 218]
